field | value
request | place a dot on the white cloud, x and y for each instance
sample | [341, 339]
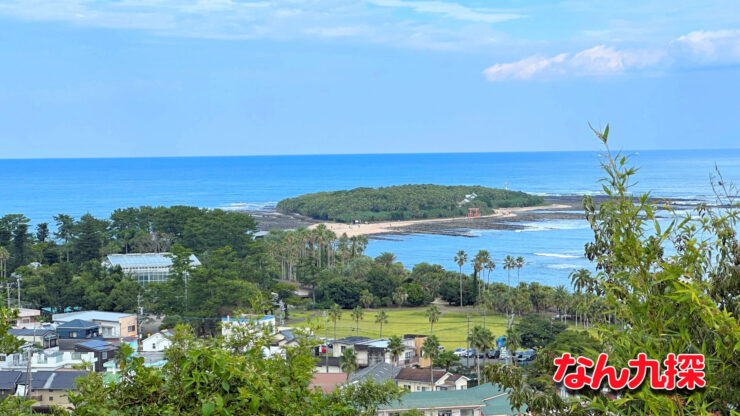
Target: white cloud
[363, 21]
[717, 44]
[599, 60]
[525, 68]
[453, 10]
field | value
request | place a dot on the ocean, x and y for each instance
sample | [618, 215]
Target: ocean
[42, 188]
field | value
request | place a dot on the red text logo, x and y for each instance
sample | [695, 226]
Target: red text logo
[682, 371]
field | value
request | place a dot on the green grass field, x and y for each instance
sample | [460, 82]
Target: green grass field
[451, 327]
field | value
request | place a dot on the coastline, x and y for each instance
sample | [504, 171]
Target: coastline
[559, 207]
[405, 227]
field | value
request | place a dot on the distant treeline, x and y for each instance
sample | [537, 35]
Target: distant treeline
[405, 202]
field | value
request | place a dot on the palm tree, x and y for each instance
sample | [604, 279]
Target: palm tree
[479, 263]
[335, 314]
[348, 361]
[581, 279]
[386, 259]
[461, 258]
[381, 318]
[509, 263]
[4, 256]
[366, 298]
[357, 314]
[490, 267]
[560, 297]
[519, 265]
[430, 348]
[399, 296]
[432, 314]
[481, 339]
[395, 347]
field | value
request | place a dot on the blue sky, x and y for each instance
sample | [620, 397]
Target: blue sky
[87, 78]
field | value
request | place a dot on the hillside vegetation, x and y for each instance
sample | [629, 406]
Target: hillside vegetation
[405, 202]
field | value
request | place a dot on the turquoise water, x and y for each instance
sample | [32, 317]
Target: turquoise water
[41, 189]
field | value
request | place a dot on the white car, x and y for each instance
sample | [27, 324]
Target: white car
[460, 352]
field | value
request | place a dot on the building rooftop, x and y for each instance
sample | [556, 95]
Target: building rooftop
[233, 319]
[78, 324]
[492, 400]
[145, 260]
[8, 379]
[352, 340]
[374, 343]
[378, 373]
[418, 374]
[90, 316]
[41, 380]
[26, 332]
[25, 312]
[327, 381]
[97, 345]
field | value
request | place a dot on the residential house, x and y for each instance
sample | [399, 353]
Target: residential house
[341, 344]
[327, 364]
[159, 341]
[104, 351]
[372, 351]
[378, 373]
[420, 379]
[79, 329]
[48, 360]
[45, 337]
[132, 342]
[285, 338]
[26, 317]
[113, 325]
[412, 355]
[483, 400]
[48, 388]
[8, 383]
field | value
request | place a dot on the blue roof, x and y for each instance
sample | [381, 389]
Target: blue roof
[78, 324]
[97, 345]
[39, 332]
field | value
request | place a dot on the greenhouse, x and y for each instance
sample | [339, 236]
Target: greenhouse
[145, 267]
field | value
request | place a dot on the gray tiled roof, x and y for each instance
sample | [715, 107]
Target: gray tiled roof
[378, 373]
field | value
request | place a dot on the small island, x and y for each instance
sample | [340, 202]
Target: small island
[406, 202]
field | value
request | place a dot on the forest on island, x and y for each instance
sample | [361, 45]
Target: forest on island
[405, 202]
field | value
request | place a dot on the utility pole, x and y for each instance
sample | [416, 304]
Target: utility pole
[467, 356]
[138, 314]
[4, 266]
[18, 277]
[29, 378]
[326, 342]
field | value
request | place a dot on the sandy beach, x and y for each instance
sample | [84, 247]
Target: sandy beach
[396, 227]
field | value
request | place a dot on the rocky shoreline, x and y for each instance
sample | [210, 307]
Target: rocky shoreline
[561, 207]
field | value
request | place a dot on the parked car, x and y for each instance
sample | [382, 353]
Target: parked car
[505, 355]
[460, 352]
[493, 354]
[527, 355]
[471, 353]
